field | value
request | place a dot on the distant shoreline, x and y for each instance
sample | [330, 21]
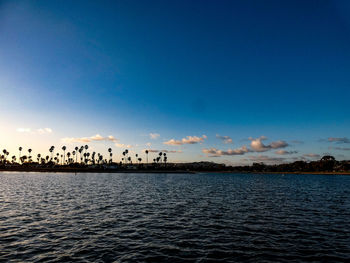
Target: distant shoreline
[99, 170]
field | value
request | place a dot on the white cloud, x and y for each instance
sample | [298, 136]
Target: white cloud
[225, 139]
[312, 155]
[258, 146]
[187, 140]
[283, 152]
[148, 144]
[23, 130]
[121, 145]
[37, 131]
[96, 137]
[154, 136]
[44, 130]
[213, 152]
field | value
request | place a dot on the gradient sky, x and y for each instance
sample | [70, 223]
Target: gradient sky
[273, 76]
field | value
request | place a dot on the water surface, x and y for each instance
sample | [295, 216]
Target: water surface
[54, 217]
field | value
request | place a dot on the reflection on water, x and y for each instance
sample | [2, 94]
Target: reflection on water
[174, 217]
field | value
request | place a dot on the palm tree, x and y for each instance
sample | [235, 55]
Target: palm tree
[30, 157]
[160, 157]
[126, 152]
[68, 155]
[38, 157]
[20, 149]
[86, 147]
[76, 151]
[165, 158]
[13, 159]
[23, 158]
[80, 151]
[4, 151]
[110, 154]
[52, 148]
[147, 155]
[64, 153]
[93, 160]
[124, 156]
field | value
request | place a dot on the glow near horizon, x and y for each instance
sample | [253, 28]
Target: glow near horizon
[60, 72]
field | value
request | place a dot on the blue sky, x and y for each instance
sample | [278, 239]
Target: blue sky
[243, 69]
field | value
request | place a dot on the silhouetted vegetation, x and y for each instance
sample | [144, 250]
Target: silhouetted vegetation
[325, 164]
[92, 161]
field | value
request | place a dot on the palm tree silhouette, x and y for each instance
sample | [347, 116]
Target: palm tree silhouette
[4, 151]
[80, 151]
[160, 157]
[20, 149]
[147, 155]
[64, 154]
[165, 158]
[52, 148]
[126, 153]
[110, 154]
[76, 152]
[30, 157]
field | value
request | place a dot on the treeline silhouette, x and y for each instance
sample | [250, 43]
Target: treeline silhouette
[78, 157]
[81, 159]
[326, 164]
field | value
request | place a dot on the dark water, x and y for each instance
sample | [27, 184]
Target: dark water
[174, 217]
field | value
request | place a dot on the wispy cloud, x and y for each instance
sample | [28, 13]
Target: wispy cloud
[213, 152]
[122, 145]
[258, 146]
[339, 148]
[225, 139]
[37, 131]
[154, 135]
[339, 140]
[44, 130]
[283, 152]
[23, 130]
[187, 140]
[312, 155]
[96, 137]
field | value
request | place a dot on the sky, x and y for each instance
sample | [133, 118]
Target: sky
[233, 82]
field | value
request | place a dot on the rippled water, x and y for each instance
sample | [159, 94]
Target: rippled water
[173, 217]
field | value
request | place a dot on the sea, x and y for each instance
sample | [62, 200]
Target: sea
[145, 217]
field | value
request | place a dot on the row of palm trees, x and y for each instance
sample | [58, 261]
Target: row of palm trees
[85, 157]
